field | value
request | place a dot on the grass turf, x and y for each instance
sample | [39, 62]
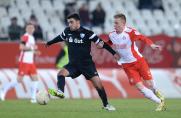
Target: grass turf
[87, 108]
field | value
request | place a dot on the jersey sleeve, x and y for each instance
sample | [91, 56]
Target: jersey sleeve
[93, 37]
[63, 35]
[58, 38]
[135, 35]
[109, 42]
[24, 39]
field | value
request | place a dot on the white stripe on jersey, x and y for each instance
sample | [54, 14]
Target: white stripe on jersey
[91, 37]
[136, 49]
[61, 37]
[63, 33]
[97, 41]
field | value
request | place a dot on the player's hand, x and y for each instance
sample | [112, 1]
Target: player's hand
[47, 44]
[100, 44]
[156, 47]
[117, 56]
[35, 47]
[38, 52]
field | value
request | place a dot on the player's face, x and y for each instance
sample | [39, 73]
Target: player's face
[73, 24]
[119, 24]
[30, 29]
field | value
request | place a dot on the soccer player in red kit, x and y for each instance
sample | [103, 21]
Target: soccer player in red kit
[123, 40]
[26, 63]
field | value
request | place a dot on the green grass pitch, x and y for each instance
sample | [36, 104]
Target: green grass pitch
[88, 108]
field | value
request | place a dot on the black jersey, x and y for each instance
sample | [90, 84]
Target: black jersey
[79, 43]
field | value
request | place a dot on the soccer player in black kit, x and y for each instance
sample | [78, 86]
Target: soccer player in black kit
[78, 40]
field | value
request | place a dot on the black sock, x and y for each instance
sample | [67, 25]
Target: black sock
[102, 95]
[61, 82]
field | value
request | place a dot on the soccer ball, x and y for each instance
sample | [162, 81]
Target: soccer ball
[42, 97]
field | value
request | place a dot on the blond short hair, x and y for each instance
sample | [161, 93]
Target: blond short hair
[120, 15]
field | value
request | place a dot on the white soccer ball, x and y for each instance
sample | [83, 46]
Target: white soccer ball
[42, 97]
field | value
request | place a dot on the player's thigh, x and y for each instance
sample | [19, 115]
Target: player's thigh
[69, 70]
[32, 71]
[145, 70]
[133, 75]
[89, 70]
[23, 69]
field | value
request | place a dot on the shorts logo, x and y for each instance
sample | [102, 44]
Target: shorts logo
[131, 80]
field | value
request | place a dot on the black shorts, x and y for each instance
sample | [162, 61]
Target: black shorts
[87, 69]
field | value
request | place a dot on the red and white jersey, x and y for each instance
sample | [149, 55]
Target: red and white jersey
[27, 56]
[125, 45]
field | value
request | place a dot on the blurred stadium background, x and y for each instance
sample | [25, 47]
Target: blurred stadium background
[158, 19]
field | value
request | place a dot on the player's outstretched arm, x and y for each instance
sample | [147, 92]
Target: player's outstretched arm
[102, 44]
[55, 40]
[156, 47]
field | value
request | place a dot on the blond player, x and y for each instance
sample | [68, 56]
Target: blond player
[26, 63]
[123, 40]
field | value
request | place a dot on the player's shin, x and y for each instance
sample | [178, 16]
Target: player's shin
[102, 95]
[150, 95]
[153, 87]
[34, 89]
[61, 82]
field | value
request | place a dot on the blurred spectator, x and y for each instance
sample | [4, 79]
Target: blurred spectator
[157, 4]
[84, 15]
[38, 34]
[98, 16]
[175, 49]
[69, 8]
[145, 4]
[14, 30]
[5, 3]
[150, 4]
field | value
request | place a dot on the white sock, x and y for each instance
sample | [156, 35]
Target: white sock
[150, 95]
[154, 88]
[9, 86]
[34, 89]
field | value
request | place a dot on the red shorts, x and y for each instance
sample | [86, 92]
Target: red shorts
[27, 69]
[137, 71]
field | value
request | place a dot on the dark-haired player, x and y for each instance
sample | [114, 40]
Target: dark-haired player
[79, 40]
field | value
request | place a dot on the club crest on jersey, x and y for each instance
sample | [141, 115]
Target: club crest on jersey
[124, 37]
[82, 35]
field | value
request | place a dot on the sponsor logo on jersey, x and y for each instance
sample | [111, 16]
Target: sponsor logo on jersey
[71, 40]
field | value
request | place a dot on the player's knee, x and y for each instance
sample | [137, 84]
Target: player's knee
[98, 86]
[149, 84]
[62, 72]
[139, 86]
[19, 80]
